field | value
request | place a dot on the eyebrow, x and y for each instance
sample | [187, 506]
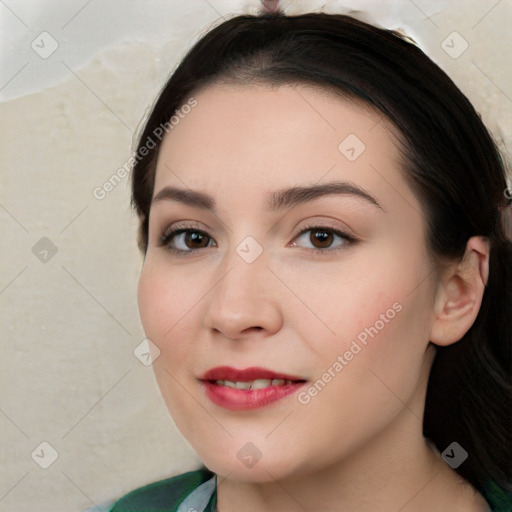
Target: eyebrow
[275, 201]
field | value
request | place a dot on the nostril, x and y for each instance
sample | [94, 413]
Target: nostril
[255, 328]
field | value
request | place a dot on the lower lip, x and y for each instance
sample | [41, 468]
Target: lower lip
[243, 400]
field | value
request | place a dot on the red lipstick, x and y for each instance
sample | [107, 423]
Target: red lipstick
[232, 389]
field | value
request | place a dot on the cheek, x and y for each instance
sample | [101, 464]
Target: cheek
[362, 382]
[151, 297]
[379, 313]
[357, 298]
[163, 306]
[164, 300]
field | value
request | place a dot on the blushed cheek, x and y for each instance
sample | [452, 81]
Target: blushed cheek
[163, 308]
[158, 316]
[383, 329]
[393, 359]
[156, 311]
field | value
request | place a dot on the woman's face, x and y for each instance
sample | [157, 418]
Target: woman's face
[332, 289]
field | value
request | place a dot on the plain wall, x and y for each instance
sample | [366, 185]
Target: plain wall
[69, 322]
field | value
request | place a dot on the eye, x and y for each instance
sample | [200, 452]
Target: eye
[324, 239]
[185, 240]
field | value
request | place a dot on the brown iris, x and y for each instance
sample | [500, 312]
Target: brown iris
[321, 236]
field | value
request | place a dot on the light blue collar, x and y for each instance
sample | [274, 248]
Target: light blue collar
[199, 497]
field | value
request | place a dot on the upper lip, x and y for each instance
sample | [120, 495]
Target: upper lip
[246, 374]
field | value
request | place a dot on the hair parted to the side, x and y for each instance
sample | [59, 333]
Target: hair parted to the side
[449, 159]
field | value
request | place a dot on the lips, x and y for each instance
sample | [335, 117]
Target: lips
[250, 388]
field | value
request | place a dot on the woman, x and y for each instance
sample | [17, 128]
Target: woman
[325, 223]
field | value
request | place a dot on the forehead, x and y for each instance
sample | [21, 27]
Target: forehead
[243, 141]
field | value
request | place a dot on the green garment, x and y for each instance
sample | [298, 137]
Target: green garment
[167, 495]
[196, 491]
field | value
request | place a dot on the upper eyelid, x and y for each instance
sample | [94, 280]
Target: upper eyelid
[182, 225]
[309, 224]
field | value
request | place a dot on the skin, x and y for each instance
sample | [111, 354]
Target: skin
[356, 445]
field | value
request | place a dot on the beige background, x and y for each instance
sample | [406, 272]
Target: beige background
[69, 376]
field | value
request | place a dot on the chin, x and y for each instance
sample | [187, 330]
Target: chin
[242, 468]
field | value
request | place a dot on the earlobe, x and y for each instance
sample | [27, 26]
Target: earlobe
[459, 294]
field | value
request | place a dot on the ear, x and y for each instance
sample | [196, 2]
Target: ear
[459, 293]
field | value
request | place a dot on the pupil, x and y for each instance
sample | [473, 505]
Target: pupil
[323, 237]
[194, 237]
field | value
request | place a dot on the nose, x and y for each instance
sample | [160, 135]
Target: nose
[244, 300]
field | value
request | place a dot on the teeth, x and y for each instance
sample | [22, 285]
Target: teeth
[261, 383]
[255, 384]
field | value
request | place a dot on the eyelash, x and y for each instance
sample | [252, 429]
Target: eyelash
[348, 240]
